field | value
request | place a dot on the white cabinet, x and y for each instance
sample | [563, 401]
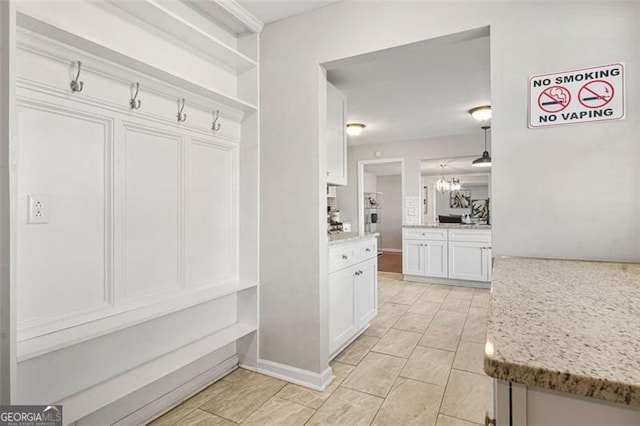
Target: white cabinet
[342, 313]
[425, 257]
[336, 136]
[366, 291]
[521, 405]
[460, 254]
[470, 254]
[412, 257]
[469, 261]
[353, 294]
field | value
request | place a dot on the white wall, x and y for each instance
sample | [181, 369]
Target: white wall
[595, 165]
[478, 191]
[391, 213]
[412, 152]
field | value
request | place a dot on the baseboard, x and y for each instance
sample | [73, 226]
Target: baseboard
[159, 397]
[391, 250]
[306, 378]
[447, 281]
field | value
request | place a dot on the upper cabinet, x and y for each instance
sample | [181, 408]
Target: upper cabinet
[336, 136]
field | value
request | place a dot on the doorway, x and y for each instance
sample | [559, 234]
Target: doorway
[380, 207]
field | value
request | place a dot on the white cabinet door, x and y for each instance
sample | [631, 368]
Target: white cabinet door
[366, 291]
[468, 261]
[412, 257]
[342, 315]
[435, 258]
[487, 262]
[336, 136]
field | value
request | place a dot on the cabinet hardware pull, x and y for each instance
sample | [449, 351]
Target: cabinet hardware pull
[135, 103]
[488, 421]
[368, 250]
[77, 86]
[344, 256]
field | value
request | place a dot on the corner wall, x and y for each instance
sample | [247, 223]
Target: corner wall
[542, 169]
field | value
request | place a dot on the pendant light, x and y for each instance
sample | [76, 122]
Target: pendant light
[485, 160]
[443, 184]
[447, 185]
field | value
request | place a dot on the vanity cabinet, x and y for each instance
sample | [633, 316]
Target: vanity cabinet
[353, 296]
[336, 136]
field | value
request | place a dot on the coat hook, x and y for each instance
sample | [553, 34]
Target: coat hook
[135, 103]
[215, 126]
[181, 117]
[77, 86]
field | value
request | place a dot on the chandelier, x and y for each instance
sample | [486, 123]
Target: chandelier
[447, 185]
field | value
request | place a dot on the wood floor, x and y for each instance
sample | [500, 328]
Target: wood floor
[390, 262]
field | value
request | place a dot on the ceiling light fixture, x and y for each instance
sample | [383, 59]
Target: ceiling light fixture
[481, 113]
[446, 185]
[485, 160]
[354, 129]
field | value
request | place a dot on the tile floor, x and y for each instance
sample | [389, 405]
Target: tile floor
[419, 363]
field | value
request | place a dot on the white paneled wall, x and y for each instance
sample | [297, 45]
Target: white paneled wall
[135, 278]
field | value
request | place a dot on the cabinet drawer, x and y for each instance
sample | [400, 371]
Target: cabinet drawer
[341, 257]
[366, 250]
[349, 254]
[471, 235]
[425, 234]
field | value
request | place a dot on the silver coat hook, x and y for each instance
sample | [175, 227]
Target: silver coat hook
[77, 86]
[181, 117]
[135, 103]
[215, 126]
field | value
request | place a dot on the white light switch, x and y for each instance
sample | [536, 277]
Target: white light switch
[38, 209]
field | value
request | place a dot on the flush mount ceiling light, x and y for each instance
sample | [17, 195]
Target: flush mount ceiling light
[485, 160]
[354, 129]
[481, 113]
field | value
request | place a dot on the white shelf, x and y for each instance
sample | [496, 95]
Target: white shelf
[40, 345]
[154, 13]
[48, 30]
[107, 392]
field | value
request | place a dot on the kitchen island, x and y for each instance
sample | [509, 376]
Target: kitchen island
[563, 342]
[453, 254]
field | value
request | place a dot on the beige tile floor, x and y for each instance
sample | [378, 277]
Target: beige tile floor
[419, 363]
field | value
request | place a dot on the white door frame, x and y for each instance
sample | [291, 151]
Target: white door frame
[361, 164]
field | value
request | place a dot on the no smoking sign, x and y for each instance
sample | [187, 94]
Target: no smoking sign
[578, 96]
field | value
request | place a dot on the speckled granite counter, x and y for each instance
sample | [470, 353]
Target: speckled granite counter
[450, 226]
[349, 237]
[570, 326]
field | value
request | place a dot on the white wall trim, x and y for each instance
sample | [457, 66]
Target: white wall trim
[393, 250]
[306, 378]
[361, 164]
[178, 387]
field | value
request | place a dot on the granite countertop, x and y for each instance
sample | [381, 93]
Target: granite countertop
[570, 326]
[450, 226]
[348, 237]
